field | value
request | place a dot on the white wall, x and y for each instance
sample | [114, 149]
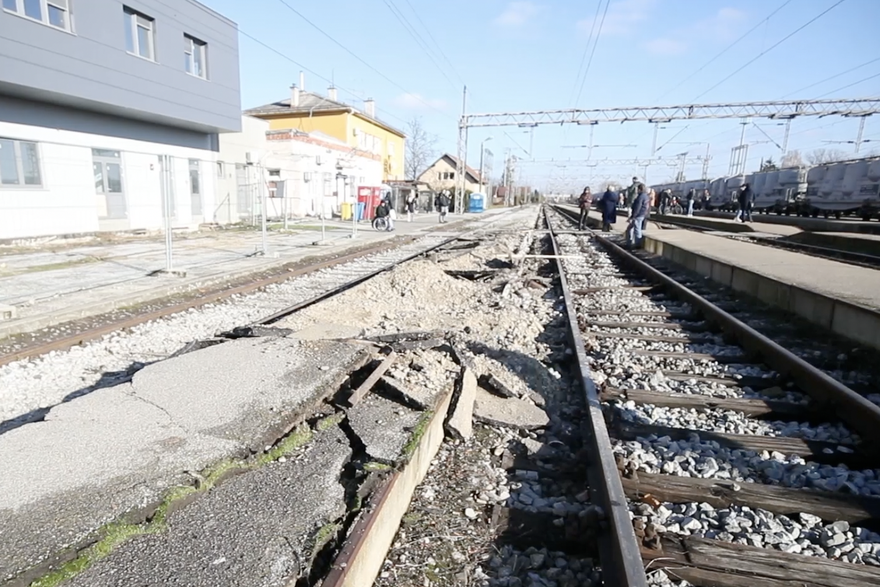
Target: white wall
[67, 202]
[236, 148]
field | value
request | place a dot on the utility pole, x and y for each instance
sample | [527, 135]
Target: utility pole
[785, 137]
[462, 155]
[861, 133]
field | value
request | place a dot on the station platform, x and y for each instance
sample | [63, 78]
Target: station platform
[848, 225]
[49, 282]
[841, 297]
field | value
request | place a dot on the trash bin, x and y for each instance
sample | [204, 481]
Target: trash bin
[477, 203]
[360, 211]
[346, 211]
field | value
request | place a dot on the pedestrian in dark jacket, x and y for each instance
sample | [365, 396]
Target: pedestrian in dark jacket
[443, 203]
[608, 206]
[746, 199]
[638, 215]
[584, 202]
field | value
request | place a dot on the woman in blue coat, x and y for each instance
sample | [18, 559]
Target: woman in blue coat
[608, 206]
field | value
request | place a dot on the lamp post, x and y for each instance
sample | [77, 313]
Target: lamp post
[486, 140]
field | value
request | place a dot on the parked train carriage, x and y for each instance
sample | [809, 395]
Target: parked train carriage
[869, 191]
[790, 189]
[729, 200]
[829, 199]
[757, 182]
[716, 193]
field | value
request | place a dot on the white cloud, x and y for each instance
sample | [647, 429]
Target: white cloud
[622, 17]
[418, 102]
[517, 14]
[666, 46]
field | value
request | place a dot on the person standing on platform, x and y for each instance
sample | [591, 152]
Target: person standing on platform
[584, 202]
[410, 205]
[392, 216]
[638, 216]
[608, 207]
[631, 192]
[664, 202]
[443, 203]
[689, 199]
[746, 199]
[652, 201]
[704, 201]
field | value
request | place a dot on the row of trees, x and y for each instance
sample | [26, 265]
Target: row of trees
[814, 157]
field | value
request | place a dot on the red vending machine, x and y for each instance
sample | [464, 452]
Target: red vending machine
[369, 197]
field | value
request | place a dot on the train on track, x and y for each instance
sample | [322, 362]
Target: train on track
[838, 189]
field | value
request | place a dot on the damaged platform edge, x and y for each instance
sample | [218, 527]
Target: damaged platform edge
[360, 560]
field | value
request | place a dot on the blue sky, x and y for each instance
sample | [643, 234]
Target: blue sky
[528, 55]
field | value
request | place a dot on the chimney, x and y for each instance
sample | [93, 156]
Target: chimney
[331, 93]
[302, 81]
[370, 107]
[294, 96]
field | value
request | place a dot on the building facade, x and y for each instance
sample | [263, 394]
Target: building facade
[110, 112]
[441, 175]
[359, 129]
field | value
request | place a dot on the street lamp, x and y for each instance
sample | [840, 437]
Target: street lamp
[486, 140]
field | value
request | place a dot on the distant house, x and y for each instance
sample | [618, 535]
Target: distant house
[441, 175]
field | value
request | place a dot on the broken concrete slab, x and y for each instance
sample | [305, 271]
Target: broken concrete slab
[416, 397]
[257, 529]
[383, 426]
[328, 331]
[496, 386]
[460, 423]
[121, 448]
[512, 413]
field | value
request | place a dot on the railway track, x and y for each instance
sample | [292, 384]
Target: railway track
[741, 464]
[844, 256]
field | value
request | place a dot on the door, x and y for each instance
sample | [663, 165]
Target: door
[243, 200]
[107, 167]
[195, 188]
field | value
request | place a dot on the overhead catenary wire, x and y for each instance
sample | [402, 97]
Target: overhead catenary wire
[592, 52]
[359, 58]
[725, 50]
[773, 46]
[828, 79]
[436, 44]
[850, 85]
[404, 22]
[580, 68]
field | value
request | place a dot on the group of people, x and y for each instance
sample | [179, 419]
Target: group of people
[639, 199]
[385, 210]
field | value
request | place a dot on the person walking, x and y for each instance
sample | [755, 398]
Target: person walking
[704, 201]
[411, 198]
[608, 207]
[691, 195]
[638, 216]
[746, 198]
[631, 192]
[584, 202]
[664, 202]
[443, 203]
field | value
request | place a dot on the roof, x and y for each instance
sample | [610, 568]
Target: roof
[310, 103]
[473, 174]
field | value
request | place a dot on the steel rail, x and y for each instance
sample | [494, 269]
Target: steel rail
[851, 407]
[622, 564]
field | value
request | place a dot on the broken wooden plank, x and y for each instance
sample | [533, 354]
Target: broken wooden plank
[787, 501]
[365, 387]
[813, 449]
[749, 407]
[460, 424]
[738, 565]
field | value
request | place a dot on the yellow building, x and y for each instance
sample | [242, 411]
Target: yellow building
[308, 112]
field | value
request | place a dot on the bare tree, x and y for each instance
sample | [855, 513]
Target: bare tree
[792, 159]
[820, 156]
[420, 149]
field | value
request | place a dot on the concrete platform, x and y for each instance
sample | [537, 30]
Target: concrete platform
[55, 282]
[848, 225]
[841, 297]
[255, 530]
[119, 449]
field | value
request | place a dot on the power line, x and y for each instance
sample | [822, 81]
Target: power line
[851, 85]
[828, 79]
[773, 46]
[436, 44]
[586, 51]
[593, 52]
[725, 50]
[401, 18]
[311, 71]
[356, 56]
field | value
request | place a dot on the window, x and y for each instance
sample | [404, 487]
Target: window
[139, 34]
[195, 187]
[51, 12]
[446, 175]
[220, 170]
[195, 56]
[19, 164]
